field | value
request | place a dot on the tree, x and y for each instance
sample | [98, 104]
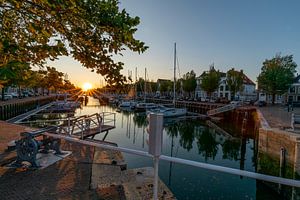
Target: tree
[52, 79]
[92, 31]
[6, 75]
[189, 82]
[277, 75]
[210, 81]
[166, 86]
[22, 75]
[35, 80]
[235, 81]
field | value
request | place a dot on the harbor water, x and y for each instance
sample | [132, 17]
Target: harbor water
[193, 140]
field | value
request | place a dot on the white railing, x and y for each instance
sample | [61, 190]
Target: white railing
[155, 144]
[295, 120]
[109, 118]
[221, 109]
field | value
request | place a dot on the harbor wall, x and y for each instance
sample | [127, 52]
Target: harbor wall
[195, 107]
[11, 109]
[272, 161]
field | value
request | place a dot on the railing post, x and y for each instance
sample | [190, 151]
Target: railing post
[69, 125]
[155, 131]
[293, 121]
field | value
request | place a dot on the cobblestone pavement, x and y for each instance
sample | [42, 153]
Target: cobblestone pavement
[66, 179]
[278, 116]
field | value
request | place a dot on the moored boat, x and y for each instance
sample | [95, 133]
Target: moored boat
[143, 107]
[168, 112]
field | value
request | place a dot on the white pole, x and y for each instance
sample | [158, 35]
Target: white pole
[155, 188]
[174, 85]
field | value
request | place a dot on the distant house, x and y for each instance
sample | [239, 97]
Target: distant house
[248, 92]
[293, 93]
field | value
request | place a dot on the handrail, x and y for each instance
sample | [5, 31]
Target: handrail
[254, 175]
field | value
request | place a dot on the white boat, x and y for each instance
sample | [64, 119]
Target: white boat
[168, 112]
[143, 107]
[127, 104]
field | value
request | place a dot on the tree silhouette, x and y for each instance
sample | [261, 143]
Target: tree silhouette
[207, 145]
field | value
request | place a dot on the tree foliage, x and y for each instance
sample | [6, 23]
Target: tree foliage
[210, 81]
[235, 81]
[277, 75]
[52, 78]
[92, 31]
[165, 86]
[189, 82]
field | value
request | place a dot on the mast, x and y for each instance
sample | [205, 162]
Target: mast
[174, 85]
[135, 85]
[145, 85]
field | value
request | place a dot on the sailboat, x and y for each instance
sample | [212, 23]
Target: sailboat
[144, 106]
[167, 111]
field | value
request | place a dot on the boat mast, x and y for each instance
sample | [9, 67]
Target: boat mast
[135, 85]
[145, 86]
[174, 85]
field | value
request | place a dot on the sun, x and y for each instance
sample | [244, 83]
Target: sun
[86, 86]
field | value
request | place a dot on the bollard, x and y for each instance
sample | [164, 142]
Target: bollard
[155, 130]
[281, 166]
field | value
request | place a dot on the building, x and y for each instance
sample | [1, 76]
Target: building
[248, 92]
[292, 95]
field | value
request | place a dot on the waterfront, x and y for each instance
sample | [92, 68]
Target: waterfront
[192, 140]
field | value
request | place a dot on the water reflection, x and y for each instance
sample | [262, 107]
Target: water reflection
[231, 149]
[192, 134]
[207, 144]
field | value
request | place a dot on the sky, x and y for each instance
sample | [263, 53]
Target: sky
[226, 33]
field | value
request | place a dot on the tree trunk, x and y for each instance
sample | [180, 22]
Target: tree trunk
[19, 91]
[3, 94]
[273, 98]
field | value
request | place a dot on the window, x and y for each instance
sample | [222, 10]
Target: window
[298, 98]
[292, 90]
[227, 88]
[221, 87]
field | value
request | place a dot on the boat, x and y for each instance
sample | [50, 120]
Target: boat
[143, 107]
[127, 104]
[167, 111]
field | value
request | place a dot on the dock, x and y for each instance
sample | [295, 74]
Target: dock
[88, 173]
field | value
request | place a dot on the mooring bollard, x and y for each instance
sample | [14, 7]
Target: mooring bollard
[155, 130]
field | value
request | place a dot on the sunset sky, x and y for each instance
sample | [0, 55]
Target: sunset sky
[231, 33]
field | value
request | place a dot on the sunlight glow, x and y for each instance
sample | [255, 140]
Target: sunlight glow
[86, 86]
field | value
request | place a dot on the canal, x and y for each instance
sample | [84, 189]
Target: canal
[194, 140]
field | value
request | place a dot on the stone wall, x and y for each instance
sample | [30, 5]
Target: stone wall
[270, 141]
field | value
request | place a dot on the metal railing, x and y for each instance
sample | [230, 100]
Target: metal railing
[109, 118]
[274, 179]
[155, 144]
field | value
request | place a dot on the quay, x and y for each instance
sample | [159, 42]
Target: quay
[88, 173]
[14, 107]
[191, 106]
[278, 145]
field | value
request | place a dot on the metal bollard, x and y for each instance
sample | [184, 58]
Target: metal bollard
[155, 130]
